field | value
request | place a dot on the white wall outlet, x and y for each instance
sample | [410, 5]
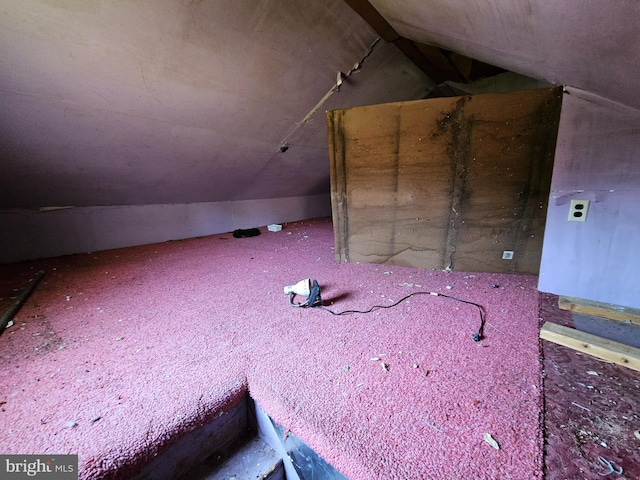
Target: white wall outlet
[507, 255]
[578, 210]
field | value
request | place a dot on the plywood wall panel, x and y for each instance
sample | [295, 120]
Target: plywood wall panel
[383, 191]
[444, 183]
[512, 138]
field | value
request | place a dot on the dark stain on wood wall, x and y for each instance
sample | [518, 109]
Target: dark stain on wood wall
[446, 182]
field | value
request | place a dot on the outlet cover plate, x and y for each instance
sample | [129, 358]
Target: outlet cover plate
[507, 255]
[578, 210]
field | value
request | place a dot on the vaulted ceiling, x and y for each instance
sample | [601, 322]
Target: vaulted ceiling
[178, 101]
[590, 45]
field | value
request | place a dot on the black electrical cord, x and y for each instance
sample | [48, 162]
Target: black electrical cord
[479, 335]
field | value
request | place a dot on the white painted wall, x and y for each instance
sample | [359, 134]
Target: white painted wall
[597, 159]
[31, 234]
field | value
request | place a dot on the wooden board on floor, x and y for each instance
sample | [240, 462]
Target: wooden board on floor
[444, 182]
[603, 310]
[593, 345]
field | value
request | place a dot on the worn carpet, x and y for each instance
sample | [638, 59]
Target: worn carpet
[118, 353]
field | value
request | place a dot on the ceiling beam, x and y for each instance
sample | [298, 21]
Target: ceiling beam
[438, 64]
[431, 60]
[370, 15]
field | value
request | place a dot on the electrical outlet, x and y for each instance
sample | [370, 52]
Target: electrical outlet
[578, 210]
[507, 255]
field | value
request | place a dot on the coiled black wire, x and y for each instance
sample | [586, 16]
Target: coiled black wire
[479, 335]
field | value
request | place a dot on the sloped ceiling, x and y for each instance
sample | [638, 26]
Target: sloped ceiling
[593, 45]
[113, 102]
[179, 101]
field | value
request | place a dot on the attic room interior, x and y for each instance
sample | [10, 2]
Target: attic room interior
[359, 239]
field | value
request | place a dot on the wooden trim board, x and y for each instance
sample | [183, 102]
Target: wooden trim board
[597, 309]
[599, 347]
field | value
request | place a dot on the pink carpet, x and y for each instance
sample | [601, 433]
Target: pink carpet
[118, 353]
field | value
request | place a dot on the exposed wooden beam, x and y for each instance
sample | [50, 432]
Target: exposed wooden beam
[597, 309]
[439, 59]
[415, 55]
[439, 64]
[599, 347]
[370, 15]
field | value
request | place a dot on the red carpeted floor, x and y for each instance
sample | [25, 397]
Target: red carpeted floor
[118, 353]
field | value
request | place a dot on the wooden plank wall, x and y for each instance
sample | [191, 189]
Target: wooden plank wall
[445, 182]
